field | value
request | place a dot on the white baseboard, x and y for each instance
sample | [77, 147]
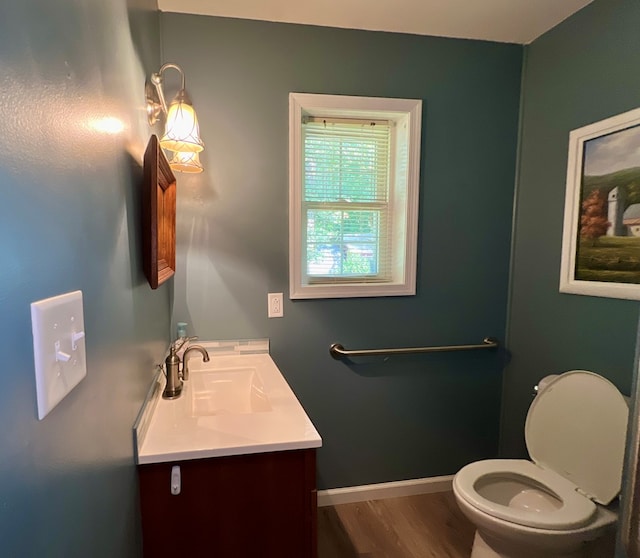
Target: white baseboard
[350, 494]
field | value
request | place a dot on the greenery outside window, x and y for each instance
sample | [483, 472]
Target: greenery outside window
[353, 195]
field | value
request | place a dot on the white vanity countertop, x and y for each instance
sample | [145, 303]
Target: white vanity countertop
[208, 420]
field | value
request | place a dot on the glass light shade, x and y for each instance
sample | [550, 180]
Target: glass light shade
[186, 161]
[182, 132]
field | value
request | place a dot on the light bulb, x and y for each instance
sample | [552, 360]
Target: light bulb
[182, 132]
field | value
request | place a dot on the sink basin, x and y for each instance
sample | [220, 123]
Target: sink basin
[237, 403]
[230, 390]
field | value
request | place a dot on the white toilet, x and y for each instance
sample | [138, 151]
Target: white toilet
[554, 506]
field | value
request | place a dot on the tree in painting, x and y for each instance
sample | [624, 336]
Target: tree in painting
[593, 221]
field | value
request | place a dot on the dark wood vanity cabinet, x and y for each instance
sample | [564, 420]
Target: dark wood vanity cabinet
[259, 505]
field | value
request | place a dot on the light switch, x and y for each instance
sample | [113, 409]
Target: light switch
[59, 352]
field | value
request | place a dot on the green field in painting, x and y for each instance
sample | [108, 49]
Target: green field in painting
[611, 258]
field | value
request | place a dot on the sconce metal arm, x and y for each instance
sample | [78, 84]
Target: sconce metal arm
[156, 102]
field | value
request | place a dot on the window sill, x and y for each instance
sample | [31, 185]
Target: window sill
[354, 290]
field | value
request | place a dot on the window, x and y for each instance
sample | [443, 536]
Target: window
[353, 195]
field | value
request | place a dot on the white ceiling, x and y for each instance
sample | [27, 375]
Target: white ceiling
[506, 21]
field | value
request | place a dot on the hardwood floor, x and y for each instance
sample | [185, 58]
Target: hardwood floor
[423, 526]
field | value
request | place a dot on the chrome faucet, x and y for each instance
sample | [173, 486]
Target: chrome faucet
[175, 376]
[173, 389]
[185, 364]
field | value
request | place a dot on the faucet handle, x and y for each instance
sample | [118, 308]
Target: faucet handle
[179, 343]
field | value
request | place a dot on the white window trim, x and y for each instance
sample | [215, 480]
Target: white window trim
[339, 105]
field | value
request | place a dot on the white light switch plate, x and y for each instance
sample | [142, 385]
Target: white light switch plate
[58, 348]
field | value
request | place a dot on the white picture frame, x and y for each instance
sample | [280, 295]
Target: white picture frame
[601, 233]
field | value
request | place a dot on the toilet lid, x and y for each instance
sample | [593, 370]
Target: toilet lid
[576, 427]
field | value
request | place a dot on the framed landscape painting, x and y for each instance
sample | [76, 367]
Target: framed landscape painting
[601, 236]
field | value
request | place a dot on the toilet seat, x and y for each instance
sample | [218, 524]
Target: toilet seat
[577, 427]
[576, 509]
[575, 433]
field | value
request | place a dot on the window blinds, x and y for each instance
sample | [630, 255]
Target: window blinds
[346, 199]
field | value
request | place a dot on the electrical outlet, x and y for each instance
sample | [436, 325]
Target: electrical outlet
[276, 309]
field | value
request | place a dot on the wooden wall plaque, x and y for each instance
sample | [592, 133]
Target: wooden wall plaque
[158, 216]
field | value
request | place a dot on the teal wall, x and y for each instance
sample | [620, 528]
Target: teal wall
[69, 219]
[380, 420]
[582, 71]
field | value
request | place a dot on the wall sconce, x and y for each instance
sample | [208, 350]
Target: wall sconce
[186, 161]
[181, 133]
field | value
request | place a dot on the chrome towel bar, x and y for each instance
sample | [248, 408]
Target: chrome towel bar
[337, 351]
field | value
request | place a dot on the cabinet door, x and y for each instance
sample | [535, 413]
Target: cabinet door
[258, 505]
